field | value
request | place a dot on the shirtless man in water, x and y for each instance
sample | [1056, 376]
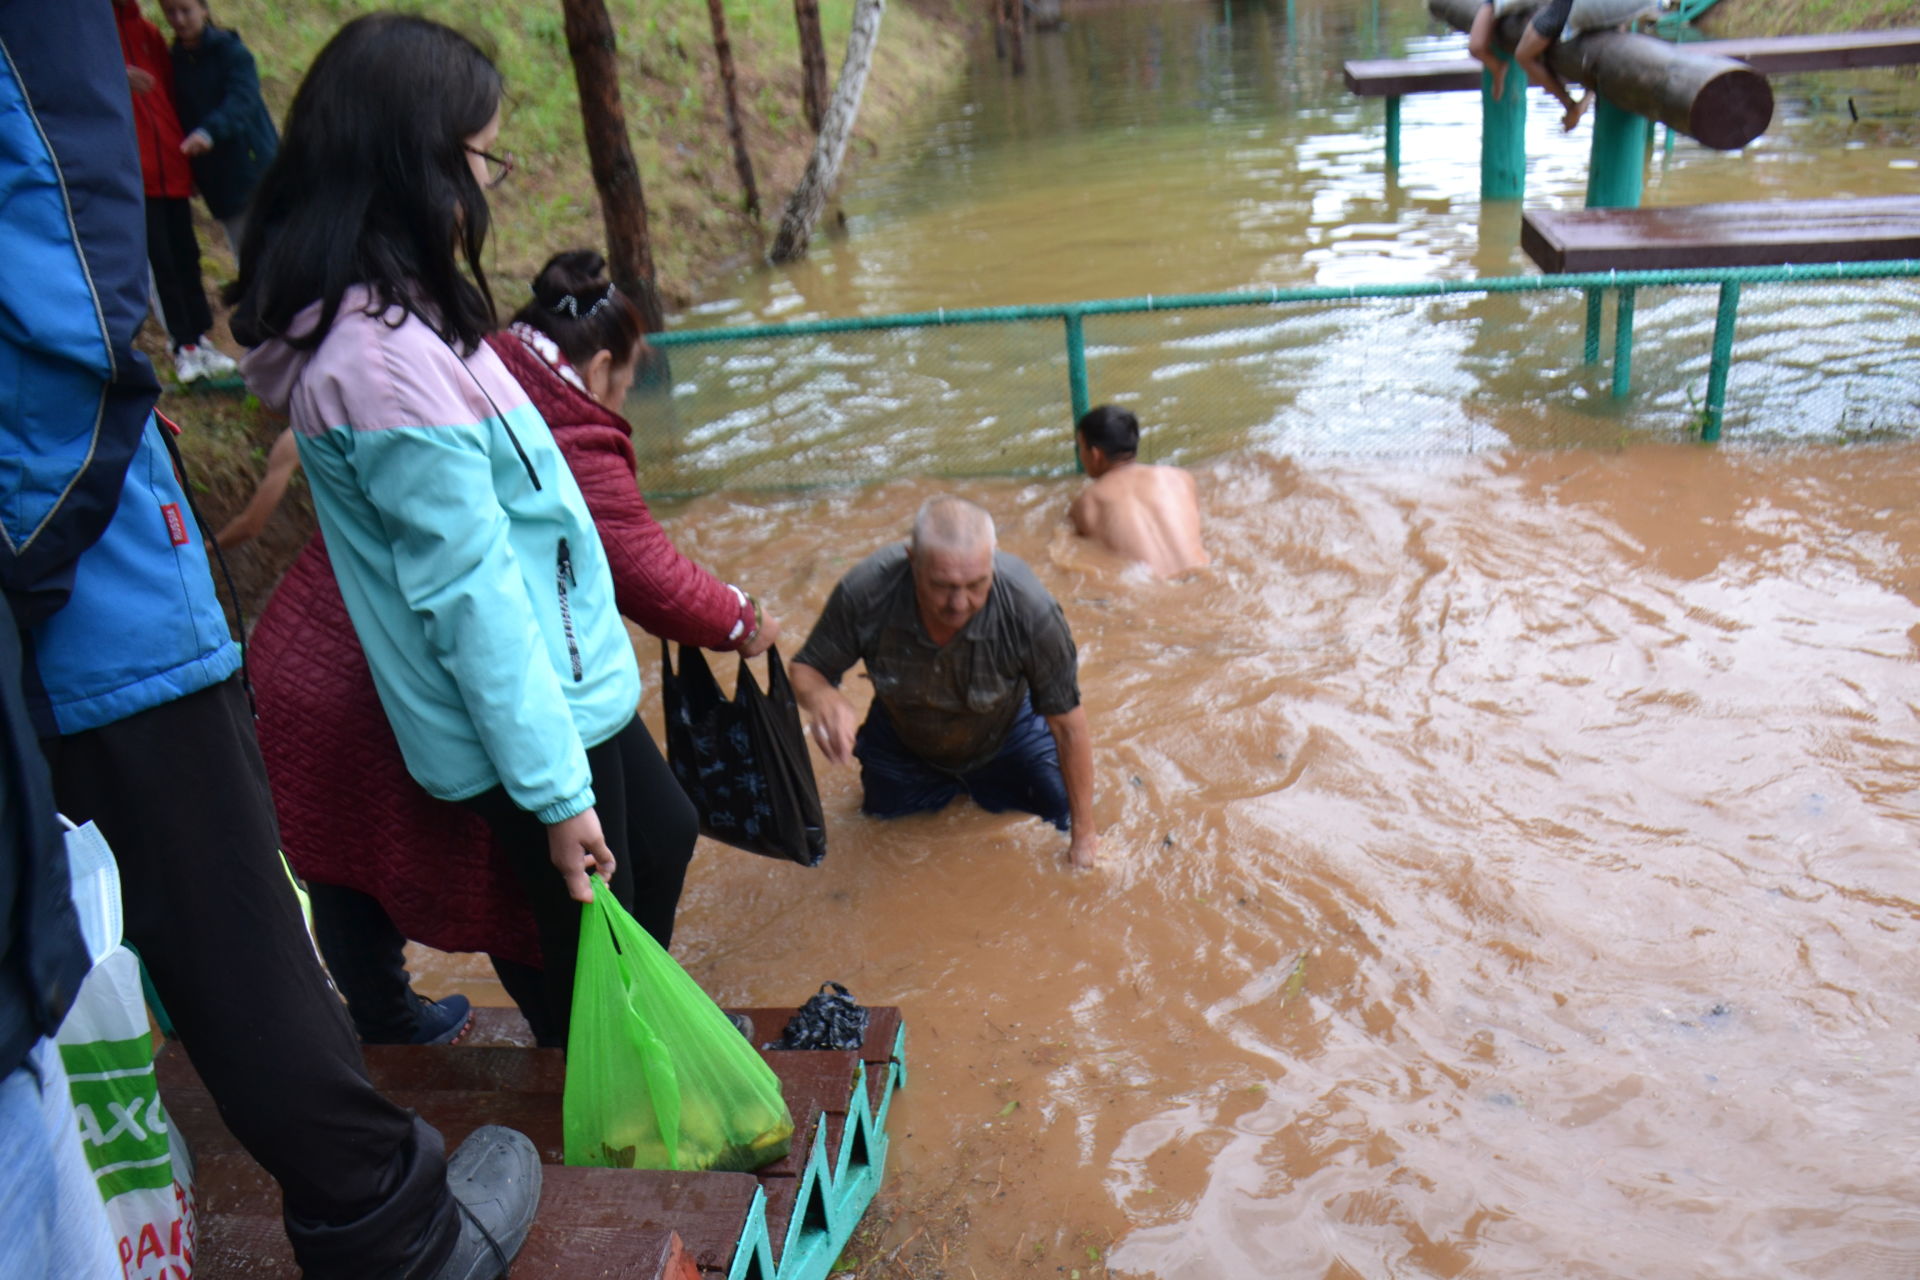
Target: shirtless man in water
[1142, 512]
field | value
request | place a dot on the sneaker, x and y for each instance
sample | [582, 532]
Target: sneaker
[443, 1021]
[495, 1181]
[215, 363]
[189, 365]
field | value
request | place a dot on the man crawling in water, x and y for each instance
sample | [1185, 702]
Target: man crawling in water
[1136, 510]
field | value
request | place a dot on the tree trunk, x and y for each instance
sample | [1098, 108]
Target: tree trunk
[999, 27]
[623, 205]
[823, 170]
[1017, 35]
[813, 62]
[742, 162]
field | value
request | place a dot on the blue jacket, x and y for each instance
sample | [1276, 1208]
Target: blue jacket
[216, 88]
[100, 557]
[465, 554]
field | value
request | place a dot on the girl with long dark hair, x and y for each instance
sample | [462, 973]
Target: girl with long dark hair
[426, 870]
[462, 546]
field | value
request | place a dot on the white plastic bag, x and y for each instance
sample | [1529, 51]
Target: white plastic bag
[143, 1169]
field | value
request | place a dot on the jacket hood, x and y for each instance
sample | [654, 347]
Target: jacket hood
[273, 370]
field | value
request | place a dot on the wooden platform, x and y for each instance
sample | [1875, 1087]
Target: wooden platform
[1756, 234]
[787, 1221]
[1773, 55]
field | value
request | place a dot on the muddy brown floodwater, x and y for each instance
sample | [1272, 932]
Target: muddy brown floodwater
[1510, 873]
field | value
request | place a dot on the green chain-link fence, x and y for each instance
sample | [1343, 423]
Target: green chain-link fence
[1828, 353]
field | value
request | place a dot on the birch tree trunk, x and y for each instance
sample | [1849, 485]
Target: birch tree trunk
[742, 162]
[623, 205]
[830, 148]
[813, 62]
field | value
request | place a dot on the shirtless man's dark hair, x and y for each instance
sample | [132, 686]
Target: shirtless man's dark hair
[1112, 430]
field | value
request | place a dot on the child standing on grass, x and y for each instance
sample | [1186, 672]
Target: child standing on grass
[172, 251]
[230, 135]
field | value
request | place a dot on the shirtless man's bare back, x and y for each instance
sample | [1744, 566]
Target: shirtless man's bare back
[1143, 512]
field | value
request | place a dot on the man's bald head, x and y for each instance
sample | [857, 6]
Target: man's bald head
[950, 524]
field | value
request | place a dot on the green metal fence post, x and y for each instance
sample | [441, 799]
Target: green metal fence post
[1623, 344]
[1503, 136]
[1393, 133]
[1722, 357]
[1595, 299]
[1077, 363]
[1619, 158]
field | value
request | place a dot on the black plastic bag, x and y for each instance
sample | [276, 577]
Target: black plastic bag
[828, 1020]
[743, 761]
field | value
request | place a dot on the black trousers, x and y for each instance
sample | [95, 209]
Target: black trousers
[650, 826]
[174, 253]
[181, 795]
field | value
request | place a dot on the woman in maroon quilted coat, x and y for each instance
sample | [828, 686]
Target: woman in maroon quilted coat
[382, 859]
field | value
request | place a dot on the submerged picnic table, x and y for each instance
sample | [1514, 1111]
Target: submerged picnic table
[787, 1221]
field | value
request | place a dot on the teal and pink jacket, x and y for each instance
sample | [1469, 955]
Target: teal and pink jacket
[465, 554]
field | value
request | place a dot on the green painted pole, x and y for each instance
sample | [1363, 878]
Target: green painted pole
[1623, 344]
[1722, 358]
[1393, 134]
[1077, 365]
[1503, 136]
[1619, 161]
[1595, 299]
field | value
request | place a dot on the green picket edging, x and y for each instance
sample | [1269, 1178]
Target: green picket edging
[835, 1188]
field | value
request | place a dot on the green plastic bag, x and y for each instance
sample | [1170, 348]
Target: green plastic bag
[657, 1076]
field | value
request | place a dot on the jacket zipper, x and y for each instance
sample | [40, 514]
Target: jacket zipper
[563, 577]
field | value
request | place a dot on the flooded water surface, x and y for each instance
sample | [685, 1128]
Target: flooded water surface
[1510, 872]
[1509, 854]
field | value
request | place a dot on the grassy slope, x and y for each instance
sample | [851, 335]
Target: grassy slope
[674, 110]
[676, 118]
[1808, 17]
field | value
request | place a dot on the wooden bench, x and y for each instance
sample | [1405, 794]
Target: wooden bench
[789, 1218]
[1755, 234]
[1393, 79]
[1747, 234]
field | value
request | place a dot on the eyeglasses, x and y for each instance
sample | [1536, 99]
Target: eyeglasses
[497, 167]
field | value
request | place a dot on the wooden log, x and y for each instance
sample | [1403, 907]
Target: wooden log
[1721, 103]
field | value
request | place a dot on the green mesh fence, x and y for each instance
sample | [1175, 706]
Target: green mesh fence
[1819, 354]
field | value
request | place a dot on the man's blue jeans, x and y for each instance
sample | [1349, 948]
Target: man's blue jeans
[52, 1221]
[1024, 776]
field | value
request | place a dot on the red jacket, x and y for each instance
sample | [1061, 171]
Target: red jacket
[349, 812]
[163, 169]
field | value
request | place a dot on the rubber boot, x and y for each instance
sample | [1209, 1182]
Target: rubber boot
[495, 1181]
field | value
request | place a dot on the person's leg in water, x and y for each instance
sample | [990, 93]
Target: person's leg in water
[1480, 45]
[1025, 775]
[365, 1187]
[366, 954]
[1531, 54]
[893, 781]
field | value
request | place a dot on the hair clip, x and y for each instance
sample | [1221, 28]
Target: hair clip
[570, 305]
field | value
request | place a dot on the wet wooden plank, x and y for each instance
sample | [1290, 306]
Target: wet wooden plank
[254, 1247]
[1748, 234]
[489, 1067]
[1397, 77]
[1840, 50]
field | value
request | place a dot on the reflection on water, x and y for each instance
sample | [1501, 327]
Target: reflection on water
[1210, 147]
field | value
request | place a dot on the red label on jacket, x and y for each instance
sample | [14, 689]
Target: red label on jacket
[176, 527]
